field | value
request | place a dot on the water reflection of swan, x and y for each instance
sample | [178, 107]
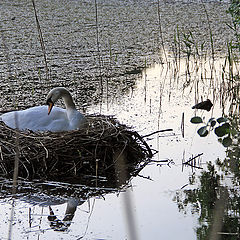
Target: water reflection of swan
[43, 200]
[39, 118]
[63, 225]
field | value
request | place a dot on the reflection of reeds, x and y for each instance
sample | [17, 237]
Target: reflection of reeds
[120, 160]
[220, 206]
[182, 125]
[193, 162]
[15, 179]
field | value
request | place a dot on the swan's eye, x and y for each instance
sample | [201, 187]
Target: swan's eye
[49, 101]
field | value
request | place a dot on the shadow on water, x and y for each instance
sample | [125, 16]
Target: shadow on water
[215, 200]
[75, 192]
[213, 194]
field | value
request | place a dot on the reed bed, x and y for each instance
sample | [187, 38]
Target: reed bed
[66, 156]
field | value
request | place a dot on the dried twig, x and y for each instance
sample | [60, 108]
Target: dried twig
[66, 155]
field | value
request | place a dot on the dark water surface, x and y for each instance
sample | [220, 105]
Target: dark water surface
[128, 36]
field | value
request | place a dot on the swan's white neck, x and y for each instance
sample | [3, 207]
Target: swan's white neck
[69, 104]
[68, 101]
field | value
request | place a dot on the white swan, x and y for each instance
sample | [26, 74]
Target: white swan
[39, 118]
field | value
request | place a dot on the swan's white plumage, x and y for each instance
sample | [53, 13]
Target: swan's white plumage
[37, 118]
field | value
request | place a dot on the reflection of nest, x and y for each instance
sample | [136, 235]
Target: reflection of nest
[70, 155]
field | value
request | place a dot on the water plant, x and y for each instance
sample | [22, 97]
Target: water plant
[221, 127]
[234, 11]
[216, 203]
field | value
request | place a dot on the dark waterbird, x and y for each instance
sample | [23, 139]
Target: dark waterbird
[205, 105]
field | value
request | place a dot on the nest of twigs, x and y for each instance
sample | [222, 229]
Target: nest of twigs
[100, 150]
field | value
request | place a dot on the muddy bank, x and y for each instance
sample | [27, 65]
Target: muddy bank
[128, 37]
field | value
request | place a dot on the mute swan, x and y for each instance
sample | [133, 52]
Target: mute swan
[47, 118]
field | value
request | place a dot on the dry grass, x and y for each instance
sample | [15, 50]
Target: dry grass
[67, 156]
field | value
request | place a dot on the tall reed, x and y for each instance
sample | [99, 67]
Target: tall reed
[210, 30]
[41, 40]
[98, 48]
[160, 29]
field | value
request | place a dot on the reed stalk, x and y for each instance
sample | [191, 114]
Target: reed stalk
[210, 30]
[41, 40]
[98, 48]
[160, 29]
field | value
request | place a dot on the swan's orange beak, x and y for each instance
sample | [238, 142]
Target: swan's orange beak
[50, 106]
